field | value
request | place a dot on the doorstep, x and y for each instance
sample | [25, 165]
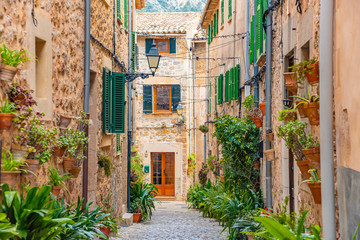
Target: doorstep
[166, 198]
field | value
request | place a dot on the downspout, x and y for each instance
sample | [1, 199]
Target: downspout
[86, 93]
[129, 104]
[247, 42]
[268, 101]
[326, 119]
[256, 83]
[194, 106]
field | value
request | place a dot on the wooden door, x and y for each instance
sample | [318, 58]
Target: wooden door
[163, 173]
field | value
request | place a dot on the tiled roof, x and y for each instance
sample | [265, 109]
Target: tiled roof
[200, 34]
[167, 22]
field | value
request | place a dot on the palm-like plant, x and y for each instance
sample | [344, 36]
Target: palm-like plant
[145, 193]
[57, 179]
[14, 57]
[7, 107]
[11, 164]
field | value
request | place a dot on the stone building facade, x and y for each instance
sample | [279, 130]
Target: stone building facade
[161, 139]
[56, 35]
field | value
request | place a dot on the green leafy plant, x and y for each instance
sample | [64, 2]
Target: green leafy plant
[203, 174]
[305, 100]
[76, 143]
[203, 128]
[10, 164]
[250, 109]
[287, 115]
[110, 220]
[314, 177]
[57, 179]
[14, 57]
[106, 161]
[143, 194]
[301, 69]
[137, 166]
[191, 164]
[7, 107]
[7, 230]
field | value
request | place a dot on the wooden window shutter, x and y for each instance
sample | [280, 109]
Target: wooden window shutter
[172, 45]
[259, 29]
[175, 96]
[209, 32]
[220, 89]
[210, 96]
[227, 99]
[118, 103]
[118, 12]
[231, 77]
[216, 93]
[118, 142]
[137, 57]
[217, 20]
[230, 9]
[252, 40]
[222, 12]
[147, 98]
[106, 100]
[148, 44]
[264, 32]
[237, 81]
[125, 14]
[133, 52]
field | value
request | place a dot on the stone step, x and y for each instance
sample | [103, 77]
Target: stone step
[128, 219]
[165, 198]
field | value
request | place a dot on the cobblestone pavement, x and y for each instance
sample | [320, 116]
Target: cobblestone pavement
[173, 221]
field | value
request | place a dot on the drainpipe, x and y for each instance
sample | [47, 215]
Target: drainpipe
[129, 106]
[86, 92]
[247, 42]
[256, 84]
[194, 106]
[326, 119]
[268, 101]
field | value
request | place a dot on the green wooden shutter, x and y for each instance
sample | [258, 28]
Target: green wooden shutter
[264, 33]
[175, 96]
[118, 12]
[147, 98]
[209, 33]
[252, 40]
[259, 29]
[148, 44]
[210, 96]
[118, 142]
[133, 51]
[211, 30]
[106, 100]
[222, 12]
[172, 45]
[216, 99]
[227, 88]
[118, 103]
[237, 81]
[125, 14]
[220, 89]
[232, 83]
[217, 20]
[230, 9]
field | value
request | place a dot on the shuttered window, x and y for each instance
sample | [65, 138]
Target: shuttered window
[230, 9]
[210, 99]
[175, 97]
[147, 98]
[220, 89]
[217, 21]
[113, 102]
[172, 45]
[227, 87]
[209, 32]
[133, 51]
[148, 44]
[125, 14]
[237, 81]
[118, 12]
[118, 142]
[259, 28]
[252, 40]
[222, 12]
[264, 33]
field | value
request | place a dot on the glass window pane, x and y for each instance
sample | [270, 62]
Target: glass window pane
[162, 98]
[157, 169]
[163, 46]
[169, 168]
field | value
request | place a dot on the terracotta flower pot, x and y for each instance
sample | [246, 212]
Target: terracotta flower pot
[312, 112]
[7, 73]
[75, 171]
[315, 189]
[6, 120]
[312, 155]
[290, 82]
[270, 154]
[262, 107]
[250, 236]
[301, 109]
[55, 190]
[137, 217]
[64, 121]
[222, 179]
[68, 163]
[32, 165]
[256, 164]
[270, 137]
[304, 168]
[59, 152]
[106, 231]
[258, 121]
[19, 152]
[11, 178]
[291, 116]
[312, 74]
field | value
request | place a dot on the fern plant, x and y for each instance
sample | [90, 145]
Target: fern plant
[7, 107]
[14, 57]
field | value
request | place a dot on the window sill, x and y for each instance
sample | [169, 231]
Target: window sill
[230, 19]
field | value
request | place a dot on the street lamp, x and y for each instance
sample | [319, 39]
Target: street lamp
[180, 110]
[153, 58]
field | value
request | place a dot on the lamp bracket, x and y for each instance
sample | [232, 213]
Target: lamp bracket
[129, 77]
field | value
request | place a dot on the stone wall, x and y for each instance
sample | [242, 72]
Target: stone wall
[61, 25]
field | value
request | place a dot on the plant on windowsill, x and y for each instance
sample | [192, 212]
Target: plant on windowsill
[7, 113]
[204, 129]
[311, 107]
[11, 169]
[306, 70]
[252, 111]
[10, 60]
[57, 180]
[314, 184]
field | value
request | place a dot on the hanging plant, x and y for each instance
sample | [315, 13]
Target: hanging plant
[191, 164]
[105, 161]
[203, 128]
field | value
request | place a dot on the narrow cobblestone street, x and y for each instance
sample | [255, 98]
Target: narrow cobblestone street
[173, 221]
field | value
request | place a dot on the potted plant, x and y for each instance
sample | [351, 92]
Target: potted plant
[311, 151]
[252, 111]
[204, 129]
[60, 146]
[22, 97]
[287, 115]
[295, 139]
[256, 164]
[191, 163]
[7, 113]
[109, 222]
[315, 185]
[11, 169]
[311, 105]
[105, 161]
[262, 107]
[135, 209]
[290, 81]
[76, 145]
[64, 121]
[270, 154]
[270, 135]
[10, 61]
[76, 167]
[312, 73]
[300, 108]
[57, 180]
